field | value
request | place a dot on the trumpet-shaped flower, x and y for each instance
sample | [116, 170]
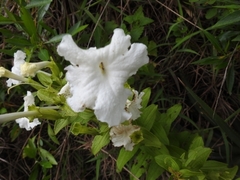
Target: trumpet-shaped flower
[97, 76]
[30, 69]
[19, 59]
[134, 105]
[24, 122]
[120, 135]
[24, 69]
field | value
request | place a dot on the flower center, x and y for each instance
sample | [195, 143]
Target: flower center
[101, 66]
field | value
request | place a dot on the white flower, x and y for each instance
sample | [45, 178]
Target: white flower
[19, 57]
[134, 105]
[24, 122]
[120, 135]
[97, 76]
[65, 90]
[30, 69]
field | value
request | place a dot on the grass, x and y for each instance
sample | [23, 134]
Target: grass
[177, 73]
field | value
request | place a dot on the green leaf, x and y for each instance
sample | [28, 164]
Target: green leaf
[150, 139]
[228, 20]
[152, 48]
[30, 150]
[51, 134]
[55, 39]
[60, 124]
[197, 142]
[99, 142]
[44, 79]
[160, 132]
[124, 156]
[147, 117]
[211, 13]
[46, 164]
[168, 117]
[146, 96]
[47, 155]
[77, 128]
[43, 55]
[140, 165]
[214, 41]
[197, 157]
[154, 171]
[76, 29]
[37, 3]
[186, 173]
[28, 23]
[168, 162]
[49, 96]
[5, 20]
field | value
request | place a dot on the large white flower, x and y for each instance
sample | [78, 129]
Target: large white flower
[24, 122]
[120, 135]
[19, 59]
[97, 76]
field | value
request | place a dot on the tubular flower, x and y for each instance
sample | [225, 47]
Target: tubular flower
[19, 59]
[96, 76]
[30, 69]
[134, 105]
[24, 122]
[120, 135]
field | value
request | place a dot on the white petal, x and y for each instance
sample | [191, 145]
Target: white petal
[28, 100]
[25, 123]
[120, 135]
[19, 59]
